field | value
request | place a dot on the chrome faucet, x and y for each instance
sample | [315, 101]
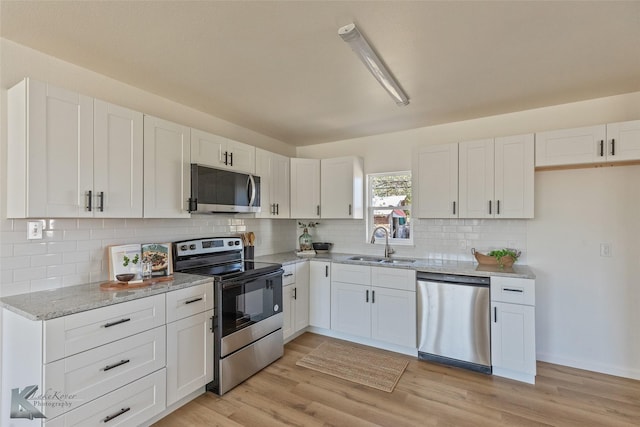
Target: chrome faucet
[387, 249]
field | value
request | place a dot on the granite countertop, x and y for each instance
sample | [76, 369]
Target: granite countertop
[46, 305]
[421, 264]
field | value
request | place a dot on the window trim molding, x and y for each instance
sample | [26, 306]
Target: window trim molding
[370, 209]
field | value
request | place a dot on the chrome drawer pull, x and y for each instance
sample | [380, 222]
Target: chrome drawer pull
[512, 290]
[115, 365]
[193, 300]
[117, 322]
[110, 417]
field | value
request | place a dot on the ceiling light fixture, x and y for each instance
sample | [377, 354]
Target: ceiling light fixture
[359, 45]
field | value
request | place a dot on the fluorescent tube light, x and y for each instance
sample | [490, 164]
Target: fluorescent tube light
[359, 45]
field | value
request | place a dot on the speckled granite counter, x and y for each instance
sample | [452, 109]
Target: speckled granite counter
[46, 305]
[421, 264]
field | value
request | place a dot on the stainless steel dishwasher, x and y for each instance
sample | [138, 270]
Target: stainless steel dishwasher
[454, 320]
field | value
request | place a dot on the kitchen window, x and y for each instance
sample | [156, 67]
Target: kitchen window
[389, 206]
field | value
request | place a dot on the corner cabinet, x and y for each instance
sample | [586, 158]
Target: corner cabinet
[496, 177]
[342, 188]
[435, 180]
[305, 188]
[273, 170]
[167, 169]
[219, 152]
[614, 142]
[513, 334]
[71, 156]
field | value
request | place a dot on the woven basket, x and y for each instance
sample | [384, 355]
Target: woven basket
[505, 261]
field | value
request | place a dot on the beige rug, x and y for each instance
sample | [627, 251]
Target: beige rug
[357, 364]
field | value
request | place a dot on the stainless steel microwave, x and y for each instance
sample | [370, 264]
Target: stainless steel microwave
[219, 190]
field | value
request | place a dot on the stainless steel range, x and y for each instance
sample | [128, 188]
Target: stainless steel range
[248, 317]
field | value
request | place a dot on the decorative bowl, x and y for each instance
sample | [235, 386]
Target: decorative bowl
[321, 247]
[125, 277]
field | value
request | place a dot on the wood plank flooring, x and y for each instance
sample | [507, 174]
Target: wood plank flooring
[427, 395]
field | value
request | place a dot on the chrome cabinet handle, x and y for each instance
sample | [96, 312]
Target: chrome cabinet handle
[115, 365]
[117, 322]
[116, 415]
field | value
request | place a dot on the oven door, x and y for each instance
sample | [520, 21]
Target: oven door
[250, 308]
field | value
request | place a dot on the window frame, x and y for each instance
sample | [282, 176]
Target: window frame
[370, 211]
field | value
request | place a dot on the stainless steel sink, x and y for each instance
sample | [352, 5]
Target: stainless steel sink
[366, 258]
[373, 259]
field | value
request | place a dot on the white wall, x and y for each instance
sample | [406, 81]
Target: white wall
[588, 306]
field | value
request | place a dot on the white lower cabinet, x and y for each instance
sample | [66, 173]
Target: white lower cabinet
[381, 304]
[513, 334]
[295, 298]
[320, 294]
[130, 405]
[189, 340]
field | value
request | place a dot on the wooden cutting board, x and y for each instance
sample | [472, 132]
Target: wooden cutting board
[121, 286]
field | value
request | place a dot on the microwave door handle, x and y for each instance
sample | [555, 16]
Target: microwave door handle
[251, 183]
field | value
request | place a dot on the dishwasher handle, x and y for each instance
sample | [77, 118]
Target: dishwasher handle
[457, 279]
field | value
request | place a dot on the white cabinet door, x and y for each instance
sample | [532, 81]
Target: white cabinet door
[302, 296]
[320, 294]
[513, 338]
[117, 163]
[305, 188]
[50, 151]
[476, 186]
[514, 176]
[435, 181]
[623, 141]
[288, 310]
[273, 170]
[571, 146]
[189, 355]
[393, 316]
[167, 169]
[351, 309]
[219, 152]
[342, 188]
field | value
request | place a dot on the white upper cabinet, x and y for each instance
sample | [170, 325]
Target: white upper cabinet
[167, 169]
[342, 188]
[435, 181]
[305, 188]
[219, 152]
[71, 156]
[614, 142]
[273, 170]
[497, 177]
[117, 165]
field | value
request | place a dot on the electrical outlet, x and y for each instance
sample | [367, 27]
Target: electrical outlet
[605, 249]
[34, 230]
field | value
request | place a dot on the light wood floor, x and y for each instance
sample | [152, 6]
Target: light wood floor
[427, 395]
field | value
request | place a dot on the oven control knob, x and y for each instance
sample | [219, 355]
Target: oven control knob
[183, 247]
[276, 308]
[237, 243]
[192, 246]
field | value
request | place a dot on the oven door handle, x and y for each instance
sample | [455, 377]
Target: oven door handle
[241, 282]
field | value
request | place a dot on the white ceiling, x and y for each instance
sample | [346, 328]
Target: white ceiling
[280, 68]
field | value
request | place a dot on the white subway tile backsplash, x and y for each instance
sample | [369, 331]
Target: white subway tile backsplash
[76, 257]
[52, 235]
[28, 249]
[61, 270]
[22, 274]
[77, 234]
[62, 224]
[6, 250]
[46, 284]
[61, 247]
[46, 259]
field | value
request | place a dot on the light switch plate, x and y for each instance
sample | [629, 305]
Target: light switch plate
[34, 230]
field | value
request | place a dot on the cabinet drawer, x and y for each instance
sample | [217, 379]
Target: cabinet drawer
[189, 301]
[350, 273]
[130, 405]
[393, 278]
[90, 374]
[68, 335]
[513, 290]
[289, 276]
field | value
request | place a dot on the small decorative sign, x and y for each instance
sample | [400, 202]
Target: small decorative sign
[124, 259]
[158, 255]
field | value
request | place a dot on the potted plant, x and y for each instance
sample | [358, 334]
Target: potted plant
[126, 261]
[305, 238]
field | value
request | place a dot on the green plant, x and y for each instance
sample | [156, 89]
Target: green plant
[126, 260]
[499, 254]
[308, 225]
